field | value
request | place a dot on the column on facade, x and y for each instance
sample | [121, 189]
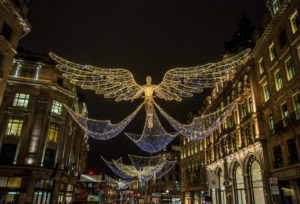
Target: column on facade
[26, 196]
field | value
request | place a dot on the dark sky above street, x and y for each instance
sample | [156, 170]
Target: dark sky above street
[146, 37]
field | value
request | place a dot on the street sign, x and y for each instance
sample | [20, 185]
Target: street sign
[273, 180]
[274, 189]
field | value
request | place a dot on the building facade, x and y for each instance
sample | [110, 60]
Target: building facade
[13, 26]
[41, 148]
[167, 188]
[254, 154]
[192, 171]
[277, 74]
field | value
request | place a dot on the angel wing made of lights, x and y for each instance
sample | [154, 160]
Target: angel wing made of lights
[119, 83]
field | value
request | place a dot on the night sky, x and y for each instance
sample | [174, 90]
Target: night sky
[146, 37]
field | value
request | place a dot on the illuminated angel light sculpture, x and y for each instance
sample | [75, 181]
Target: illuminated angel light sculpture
[120, 183]
[119, 84]
[142, 168]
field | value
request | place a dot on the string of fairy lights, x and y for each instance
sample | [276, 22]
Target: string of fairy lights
[177, 83]
[142, 168]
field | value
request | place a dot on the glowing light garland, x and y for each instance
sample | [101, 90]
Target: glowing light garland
[119, 83]
[200, 127]
[143, 168]
[101, 129]
[153, 139]
[121, 184]
[177, 83]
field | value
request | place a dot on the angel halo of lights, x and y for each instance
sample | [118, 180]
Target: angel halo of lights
[142, 168]
[177, 83]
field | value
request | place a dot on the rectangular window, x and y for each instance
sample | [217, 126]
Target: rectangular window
[293, 152]
[277, 154]
[272, 51]
[53, 132]
[21, 100]
[271, 124]
[284, 114]
[261, 65]
[8, 153]
[282, 38]
[296, 100]
[49, 158]
[231, 121]
[278, 80]
[276, 6]
[14, 126]
[56, 107]
[295, 21]
[250, 101]
[290, 69]
[6, 31]
[266, 92]
[244, 110]
[27, 72]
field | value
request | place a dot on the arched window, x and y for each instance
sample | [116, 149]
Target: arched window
[255, 181]
[238, 185]
[222, 195]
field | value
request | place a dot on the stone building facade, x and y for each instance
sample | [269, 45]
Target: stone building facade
[192, 170]
[41, 148]
[167, 188]
[276, 59]
[258, 144]
[13, 26]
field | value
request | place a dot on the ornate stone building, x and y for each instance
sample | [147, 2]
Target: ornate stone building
[259, 140]
[41, 148]
[13, 26]
[277, 73]
[167, 188]
[192, 171]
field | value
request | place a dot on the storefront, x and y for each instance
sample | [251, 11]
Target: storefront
[156, 198]
[10, 189]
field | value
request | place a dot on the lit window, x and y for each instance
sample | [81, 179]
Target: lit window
[278, 80]
[53, 132]
[244, 110]
[294, 21]
[276, 6]
[290, 70]
[284, 114]
[266, 92]
[27, 72]
[296, 100]
[14, 126]
[261, 65]
[250, 105]
[21, 100]
[56, 107]
[196, 148]
[272, 51]
[271, 124]
[231, 121]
